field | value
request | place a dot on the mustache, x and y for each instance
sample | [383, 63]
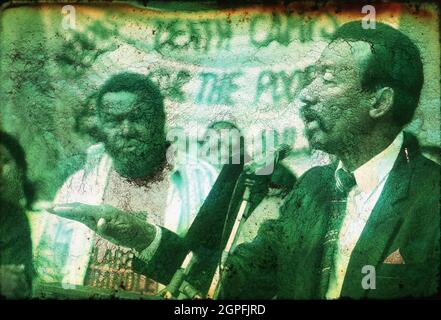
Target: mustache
[309, 115]
[121, 144]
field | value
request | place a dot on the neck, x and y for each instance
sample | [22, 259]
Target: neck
[357, 153]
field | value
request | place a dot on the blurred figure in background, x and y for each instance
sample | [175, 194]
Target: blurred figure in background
[16, 196]
[221, 144]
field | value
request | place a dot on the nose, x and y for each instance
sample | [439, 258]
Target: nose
[125, 127]
[307, 97]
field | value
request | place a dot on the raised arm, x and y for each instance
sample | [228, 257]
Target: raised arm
[112, 224]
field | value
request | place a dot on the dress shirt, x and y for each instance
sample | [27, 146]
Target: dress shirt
[371, 178]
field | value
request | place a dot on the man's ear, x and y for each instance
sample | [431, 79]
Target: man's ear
[384, 99]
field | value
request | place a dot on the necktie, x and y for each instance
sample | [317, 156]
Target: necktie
[345, 181]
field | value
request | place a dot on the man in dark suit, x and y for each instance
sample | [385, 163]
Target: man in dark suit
[367, 226]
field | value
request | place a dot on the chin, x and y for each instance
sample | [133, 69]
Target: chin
[318, 144]
[314, 141]
[319, 140]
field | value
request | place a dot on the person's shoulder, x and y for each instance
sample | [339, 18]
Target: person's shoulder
[414, 154]
[424, 164]
[317, 175]
[312, 182]
[426, 174]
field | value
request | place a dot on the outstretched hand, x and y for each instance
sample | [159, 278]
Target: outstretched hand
[112, 224]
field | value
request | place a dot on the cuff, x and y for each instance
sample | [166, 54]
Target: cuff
[147, 254]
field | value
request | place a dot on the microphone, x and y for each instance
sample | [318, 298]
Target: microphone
[265, 166]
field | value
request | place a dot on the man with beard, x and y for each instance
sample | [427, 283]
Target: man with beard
[126, 172]
[367, 226]
[16, 195]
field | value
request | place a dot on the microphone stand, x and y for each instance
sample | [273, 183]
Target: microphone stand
[244, 211]
[241, 217]
[179, 288]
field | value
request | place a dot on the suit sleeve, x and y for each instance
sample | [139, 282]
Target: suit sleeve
[166, 259]
[250, 271]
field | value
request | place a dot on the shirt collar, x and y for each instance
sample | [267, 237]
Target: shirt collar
[370, 174]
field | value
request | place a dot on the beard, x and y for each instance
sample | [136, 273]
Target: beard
[127, 147]
[320, 129]
[139, 163]
[316, 134]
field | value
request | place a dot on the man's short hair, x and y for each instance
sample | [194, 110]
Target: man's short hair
[148, 93]
[394, 62]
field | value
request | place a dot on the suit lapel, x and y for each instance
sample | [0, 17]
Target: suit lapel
[382, 225]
